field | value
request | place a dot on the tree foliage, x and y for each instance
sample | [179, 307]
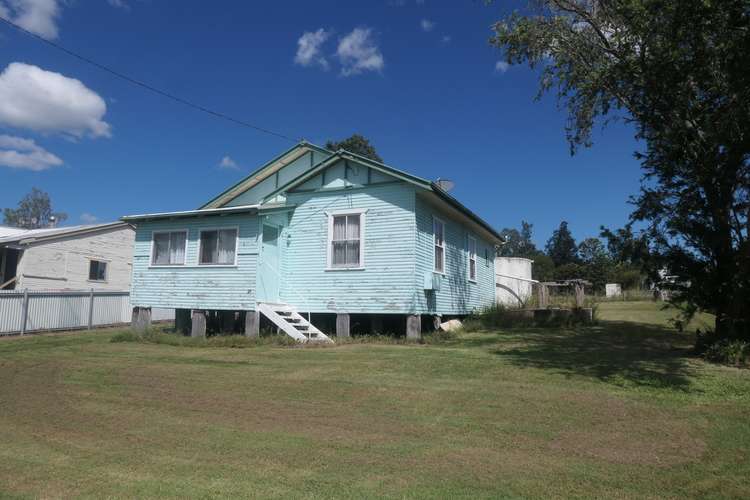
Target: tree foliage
[678, 71]
[356, 144]
[518, 243]
[34, 211]
[561, 247]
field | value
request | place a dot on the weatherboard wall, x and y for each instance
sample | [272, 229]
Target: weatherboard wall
[386, 283]
[193, 286]
[457, 295]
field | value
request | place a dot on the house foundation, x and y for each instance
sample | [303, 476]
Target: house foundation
[252, 324]
[342, 325]
[414, 326]
[141, 319]
[198, 327]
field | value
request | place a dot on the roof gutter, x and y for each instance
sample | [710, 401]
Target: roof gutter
[191, 213]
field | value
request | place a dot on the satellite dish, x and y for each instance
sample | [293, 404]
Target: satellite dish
[445, 184]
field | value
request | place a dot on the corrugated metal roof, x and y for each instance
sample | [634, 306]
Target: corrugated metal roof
[13, 234]
[190, 213]
[10, 231]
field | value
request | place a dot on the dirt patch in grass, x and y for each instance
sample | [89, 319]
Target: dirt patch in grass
[623, 431]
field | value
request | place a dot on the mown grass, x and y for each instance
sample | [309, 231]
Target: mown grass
[619, 409]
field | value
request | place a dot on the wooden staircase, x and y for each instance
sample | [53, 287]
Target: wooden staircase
[292, 323]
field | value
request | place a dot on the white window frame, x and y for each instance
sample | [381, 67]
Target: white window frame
[106, 270]
[218, 228]
[470, 259]
[435, 245]
[362, 212]
[153, 244]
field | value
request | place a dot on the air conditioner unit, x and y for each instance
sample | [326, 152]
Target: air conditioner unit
[432, 281]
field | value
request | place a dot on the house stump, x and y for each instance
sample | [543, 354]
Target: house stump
[342, 325]
[414, 326]
[141, 319]
[252, 324]
[436, 320]
[198, 328]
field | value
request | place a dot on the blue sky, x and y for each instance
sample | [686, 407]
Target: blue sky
[417, 78]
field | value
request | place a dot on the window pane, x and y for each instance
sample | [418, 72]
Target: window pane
[339, 228]
[227, 244]
[338, 254]
[161, 248]
[97, 270]
[473, 269]
[352, 227]
[209, 247]
[439, 231]
[352, 253]
[438, 259]
[177, 248]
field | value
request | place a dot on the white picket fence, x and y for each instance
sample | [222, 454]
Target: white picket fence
[23, 311]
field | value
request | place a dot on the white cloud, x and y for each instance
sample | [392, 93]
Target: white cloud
[309, 48]
[120, 4]
[446, 39]
[501, 66]
[88, 218]
[40, 100]
[427, 25]
[358, 52]
[36, 16]
[228, 162]
[17, 152]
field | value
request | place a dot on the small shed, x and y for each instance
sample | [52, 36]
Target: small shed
[513, 281]
[613, 290]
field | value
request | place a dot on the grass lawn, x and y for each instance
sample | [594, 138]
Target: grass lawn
[620, 409]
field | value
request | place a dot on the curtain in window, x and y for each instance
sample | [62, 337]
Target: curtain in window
[177, 248]
[345, 241]
[218, 247]
[161, 248]
[227, 244]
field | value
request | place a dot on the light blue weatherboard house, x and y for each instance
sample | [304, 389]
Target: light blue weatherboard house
[331, 234]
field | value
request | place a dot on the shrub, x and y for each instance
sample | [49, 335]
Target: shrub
[500, 316]
[731, 352]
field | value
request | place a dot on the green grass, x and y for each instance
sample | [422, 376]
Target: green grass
[619, 409]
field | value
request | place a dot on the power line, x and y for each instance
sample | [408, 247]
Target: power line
[146, 86]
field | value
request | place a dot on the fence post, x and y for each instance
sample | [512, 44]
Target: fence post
[25, 310]
[91, 309]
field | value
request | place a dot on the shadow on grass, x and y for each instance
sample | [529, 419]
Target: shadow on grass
[616, 352]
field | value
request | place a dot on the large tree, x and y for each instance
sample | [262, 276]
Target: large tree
[34, 211]
[518, 243]
[678, 71]
[561, 247]
[356, 144]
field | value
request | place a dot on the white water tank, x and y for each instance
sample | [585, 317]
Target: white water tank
[513, 282]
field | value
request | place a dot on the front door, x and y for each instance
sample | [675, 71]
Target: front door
[268, 270]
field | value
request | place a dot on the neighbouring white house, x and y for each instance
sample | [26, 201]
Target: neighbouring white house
[87, 257]
[513, 282]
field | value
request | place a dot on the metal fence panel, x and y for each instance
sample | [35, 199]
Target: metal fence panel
[11, 309]
[67, 310]
[49, 311]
